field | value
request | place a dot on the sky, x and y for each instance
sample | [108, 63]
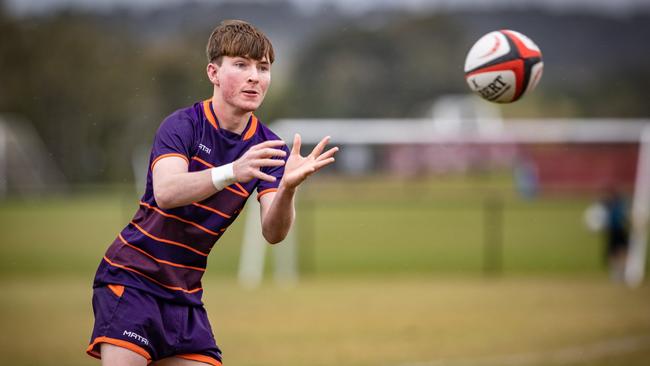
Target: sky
[22, 7]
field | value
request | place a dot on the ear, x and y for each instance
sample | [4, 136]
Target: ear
[213, 73]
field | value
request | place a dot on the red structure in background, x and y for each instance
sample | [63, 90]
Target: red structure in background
[570, 168]
[583, 167]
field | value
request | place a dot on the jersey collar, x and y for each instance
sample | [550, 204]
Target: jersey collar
[248, 132]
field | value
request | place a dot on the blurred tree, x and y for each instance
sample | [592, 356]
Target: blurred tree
[388, 71]
[69, 77]
[89, 88]
[97, 85]
[618, 94]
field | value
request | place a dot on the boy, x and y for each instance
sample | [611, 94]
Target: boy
[205, 162]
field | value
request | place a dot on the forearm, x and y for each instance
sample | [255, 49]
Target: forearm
[180, 189]
[174, 186]
[280, 215]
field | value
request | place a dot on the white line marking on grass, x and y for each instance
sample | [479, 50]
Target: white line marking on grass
[586, 352]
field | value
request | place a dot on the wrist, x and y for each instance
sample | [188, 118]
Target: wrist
[287, 189]
[222, 176]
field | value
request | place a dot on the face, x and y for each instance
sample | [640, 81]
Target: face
[241, 82]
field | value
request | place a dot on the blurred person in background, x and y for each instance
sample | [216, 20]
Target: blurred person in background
[205, 162]
[610, 215]
[616, 232]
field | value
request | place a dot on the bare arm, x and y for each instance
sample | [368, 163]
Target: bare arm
[277, 208]
[174, 186]
[278, 213]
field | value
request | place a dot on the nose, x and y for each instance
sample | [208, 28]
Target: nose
[253, 76]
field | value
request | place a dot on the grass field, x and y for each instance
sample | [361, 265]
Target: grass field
[393, 320]
[394, 276]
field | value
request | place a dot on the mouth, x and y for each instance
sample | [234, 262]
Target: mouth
[251, 93]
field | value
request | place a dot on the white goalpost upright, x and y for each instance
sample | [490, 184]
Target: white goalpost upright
[253, 251]
[636, 259]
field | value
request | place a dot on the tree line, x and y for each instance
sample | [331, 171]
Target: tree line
[95, 89]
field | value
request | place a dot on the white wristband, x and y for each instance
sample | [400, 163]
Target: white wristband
[223, 176]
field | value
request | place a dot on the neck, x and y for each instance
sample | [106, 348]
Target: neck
[230, 118]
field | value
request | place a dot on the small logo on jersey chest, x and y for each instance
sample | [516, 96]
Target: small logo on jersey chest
[204, 148]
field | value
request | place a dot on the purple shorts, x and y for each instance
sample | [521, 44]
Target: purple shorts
[151, 327]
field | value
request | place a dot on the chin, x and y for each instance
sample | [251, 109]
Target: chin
[249, 107]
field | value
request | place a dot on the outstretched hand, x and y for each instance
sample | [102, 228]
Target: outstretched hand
[298, 168]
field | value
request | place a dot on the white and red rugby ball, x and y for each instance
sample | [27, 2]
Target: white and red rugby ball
[503, 65]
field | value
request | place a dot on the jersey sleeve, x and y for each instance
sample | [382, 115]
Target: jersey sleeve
[277, 171]
[175, 137]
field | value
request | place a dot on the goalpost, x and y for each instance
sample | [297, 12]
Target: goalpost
[467, 120]
[636, 259]
[251, 260]
[26, 167]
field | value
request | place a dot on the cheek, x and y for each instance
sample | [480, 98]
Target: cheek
[229, 85]
[265, 82]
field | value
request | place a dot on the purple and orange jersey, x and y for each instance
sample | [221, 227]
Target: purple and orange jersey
[165, 252]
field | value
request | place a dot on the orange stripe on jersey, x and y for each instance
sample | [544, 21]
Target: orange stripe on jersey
[202, 161]
[260, 194]
[241, 191]
[178, 218]
[168, 155]
[207, 110]
[251, 129]
[212, 210]
[201, 358]
[151, 279]
[156, 259]
[168, 241]
[116, 342]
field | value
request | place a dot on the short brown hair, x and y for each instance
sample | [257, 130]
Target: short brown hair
[237, 38]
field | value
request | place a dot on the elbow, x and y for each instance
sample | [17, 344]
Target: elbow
[273, 237]
[163, 199]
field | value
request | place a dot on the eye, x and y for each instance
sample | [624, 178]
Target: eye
[264, 67]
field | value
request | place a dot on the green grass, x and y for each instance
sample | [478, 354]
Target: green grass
[377, 320]
[356, 228]
[393, 275]
[442, 225]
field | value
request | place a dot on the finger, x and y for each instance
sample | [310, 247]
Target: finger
[295, 149]
[322, 163]
[268, 162]
[320, 147]
[263, 176]
[267, 144]
[269, 153]
[328, 154]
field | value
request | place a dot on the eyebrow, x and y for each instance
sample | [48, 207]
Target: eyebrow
[263, 61]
